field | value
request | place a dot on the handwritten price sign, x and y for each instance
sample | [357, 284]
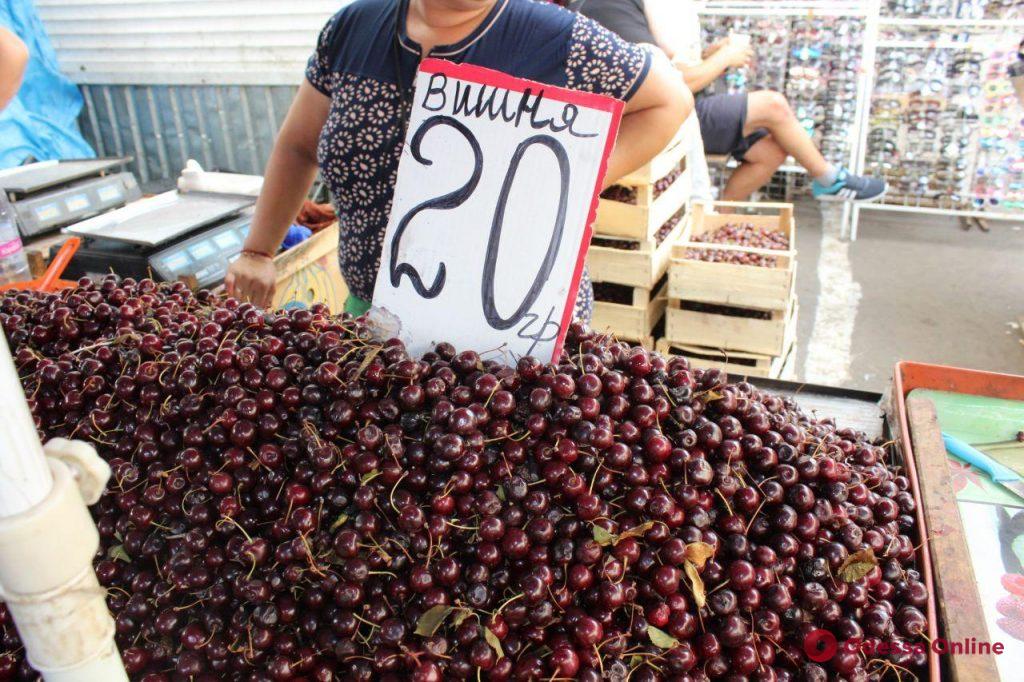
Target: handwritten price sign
[497, 189]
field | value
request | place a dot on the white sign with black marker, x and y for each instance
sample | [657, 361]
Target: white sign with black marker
[497, 189]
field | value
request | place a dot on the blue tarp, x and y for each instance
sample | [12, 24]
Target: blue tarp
[42, 121]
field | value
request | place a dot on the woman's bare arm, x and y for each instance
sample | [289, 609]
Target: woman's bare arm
[651, 119]
[13, 59]
[290, 172]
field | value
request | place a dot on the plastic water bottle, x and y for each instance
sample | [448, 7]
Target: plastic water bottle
[13, 263]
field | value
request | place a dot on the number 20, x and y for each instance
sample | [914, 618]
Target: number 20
[460, 196]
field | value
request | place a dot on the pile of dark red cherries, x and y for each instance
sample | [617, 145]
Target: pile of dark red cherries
[295, 500]
[740, 234]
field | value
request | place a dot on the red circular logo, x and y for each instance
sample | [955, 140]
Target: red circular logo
[820, 646]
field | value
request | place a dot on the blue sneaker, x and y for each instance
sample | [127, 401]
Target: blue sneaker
[850, 187]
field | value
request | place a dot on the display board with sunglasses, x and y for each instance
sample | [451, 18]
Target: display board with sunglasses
[945, 126]
[958, 9]
[814, 61]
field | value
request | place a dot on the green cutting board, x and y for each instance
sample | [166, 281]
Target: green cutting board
[978, 420]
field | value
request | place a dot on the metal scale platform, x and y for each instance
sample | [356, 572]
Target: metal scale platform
[51, 194]
[168, 237]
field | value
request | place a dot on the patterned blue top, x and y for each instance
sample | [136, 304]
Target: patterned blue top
[366, 63]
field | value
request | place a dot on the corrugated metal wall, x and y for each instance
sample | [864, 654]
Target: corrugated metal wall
[185, 42]
[224, 127]
[169, 80]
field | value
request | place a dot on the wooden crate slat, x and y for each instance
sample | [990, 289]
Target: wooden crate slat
[730, 332]
[764, 365]
[633, 268]
[631, 322]
[619, 219]
[742, 286]
[640, 222]
[37, 251]
[672, 199]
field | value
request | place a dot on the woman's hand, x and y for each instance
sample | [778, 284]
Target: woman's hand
[252, 278]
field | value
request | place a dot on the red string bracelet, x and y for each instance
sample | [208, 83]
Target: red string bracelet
[255, 252]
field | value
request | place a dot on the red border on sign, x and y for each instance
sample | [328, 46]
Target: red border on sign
[485, 76]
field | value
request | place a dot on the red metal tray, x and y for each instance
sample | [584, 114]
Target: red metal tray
[908, 376]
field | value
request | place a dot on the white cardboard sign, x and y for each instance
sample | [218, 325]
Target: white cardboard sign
[497, 190]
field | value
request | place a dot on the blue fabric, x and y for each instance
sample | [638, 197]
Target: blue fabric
[296, 235]
[42, 120]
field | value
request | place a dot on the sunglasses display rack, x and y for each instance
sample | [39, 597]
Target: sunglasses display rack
[769, 38]
[959, 9]
[928, 104]
[945, 127]
[811, 52]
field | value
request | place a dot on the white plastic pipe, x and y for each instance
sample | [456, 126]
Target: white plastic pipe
[24, 476]
[47, 544]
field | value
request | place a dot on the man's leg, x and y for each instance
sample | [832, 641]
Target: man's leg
[759, 164]
[770, 110]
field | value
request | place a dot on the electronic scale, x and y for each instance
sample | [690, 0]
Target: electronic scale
[50, 194]
[167, 237]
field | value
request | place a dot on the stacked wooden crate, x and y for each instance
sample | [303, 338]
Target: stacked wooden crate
[638, 221]
[737, 317]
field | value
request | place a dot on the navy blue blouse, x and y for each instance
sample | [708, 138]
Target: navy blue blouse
[366, 63]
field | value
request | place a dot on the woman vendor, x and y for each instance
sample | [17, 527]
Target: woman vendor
[348, 119]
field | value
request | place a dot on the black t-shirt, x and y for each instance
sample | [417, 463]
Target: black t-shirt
[624, 17]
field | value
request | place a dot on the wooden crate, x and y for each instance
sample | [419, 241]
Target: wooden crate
[309, 273]
[734, 363]
[634, 322]
[731, 332]
[642, 268]
[742, 286]
[640, 221]
[38, 249]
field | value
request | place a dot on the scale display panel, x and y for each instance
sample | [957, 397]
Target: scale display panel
[205, 256]
[56, 206]
[36, 177]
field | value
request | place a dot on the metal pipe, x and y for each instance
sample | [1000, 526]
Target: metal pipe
[203, 134]
[950, 22]
[862, 115]
[256, 167]
[222, 114]
[115, 127]
[179, 125]
[90, 110]
[140, 149]
[952, 212]
[158, 133]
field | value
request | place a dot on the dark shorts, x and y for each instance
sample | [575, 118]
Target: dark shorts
[722, 118]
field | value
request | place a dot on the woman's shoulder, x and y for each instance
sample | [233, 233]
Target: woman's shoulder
[360, 15]
[356, 34]
[541, 15]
